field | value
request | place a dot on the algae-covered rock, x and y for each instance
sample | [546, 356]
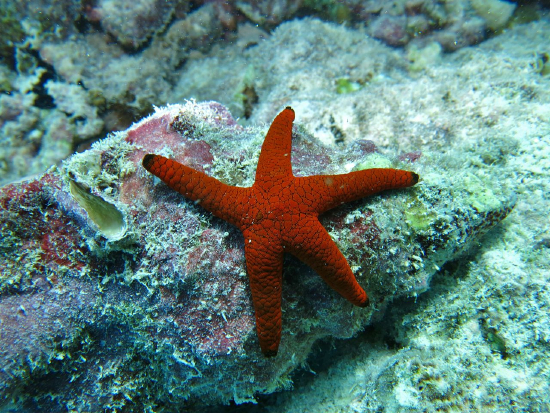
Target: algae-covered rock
[495, 12]
[160, 315]
[133, 22]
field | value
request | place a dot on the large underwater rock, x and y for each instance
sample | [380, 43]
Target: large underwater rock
[116, 291]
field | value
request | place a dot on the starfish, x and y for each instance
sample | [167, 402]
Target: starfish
[278, 214]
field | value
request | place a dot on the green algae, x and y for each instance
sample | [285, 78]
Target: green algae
[482, 198]
[345, 85]
[419, 216]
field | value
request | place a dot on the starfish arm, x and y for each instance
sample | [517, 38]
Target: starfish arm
[264, 265]
[333, 190]
[216, 197]
[311, 243]
[274, 159]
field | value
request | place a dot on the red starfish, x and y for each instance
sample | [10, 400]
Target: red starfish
[279, 214]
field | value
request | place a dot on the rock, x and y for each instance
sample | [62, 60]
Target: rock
[127, 295]
[133, 22]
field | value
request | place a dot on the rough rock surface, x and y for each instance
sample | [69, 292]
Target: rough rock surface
[134, 22]
[131, 297]
[85, 68]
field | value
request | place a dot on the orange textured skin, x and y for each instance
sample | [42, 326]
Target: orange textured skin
[279, 214]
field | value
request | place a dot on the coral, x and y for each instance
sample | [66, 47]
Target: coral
[32, 138]
[454, 24]
[12, 33]
[268, 13]
[134, 22]
[68, 80]
[162, 317]
[54, 20]
[496, 13]
[390, 29]
[108, 62]
[75, 103]
[336, 57]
